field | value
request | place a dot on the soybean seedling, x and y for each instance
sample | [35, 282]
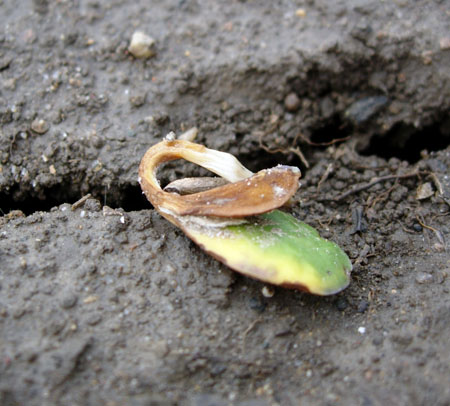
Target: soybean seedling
[237, 221]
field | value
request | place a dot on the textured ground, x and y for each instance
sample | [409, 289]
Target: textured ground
[104, 306]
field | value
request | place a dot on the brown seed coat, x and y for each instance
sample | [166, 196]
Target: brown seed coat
[260, 193]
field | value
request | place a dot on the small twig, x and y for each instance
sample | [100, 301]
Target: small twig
[325, 176]
[80, 202]
[405, 229]
[320, 144]
[327, 222]
[383, 196]
[437, 183]
[374, 182]
[420, 221]
[251, 327]
[436, 232]
[296, 150]
[364, 167]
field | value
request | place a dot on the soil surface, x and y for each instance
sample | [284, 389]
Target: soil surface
[105, 302]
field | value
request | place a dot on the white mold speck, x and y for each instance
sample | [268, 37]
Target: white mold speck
[279, 191]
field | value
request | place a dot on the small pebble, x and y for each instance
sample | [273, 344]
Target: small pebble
[68, 301]
[424, 277]
[39, 126]
[217, 369]
[440, 277]
[300, 12]
[121, 238]
[14, 214]
[170, 269]
[138, 100]
[18, 312]
[361, 330]
[417, 227]
[341, 304]
[10, 84]
[378, 340]
[141, 45]
[108, 211]
[363, 306]
[256, 304]
[427, 57]
[92, 205]
[94, 319]
[90, 299]
[444, 43]
[292, 102]
[365, 108]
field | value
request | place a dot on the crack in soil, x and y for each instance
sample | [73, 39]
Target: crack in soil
[402, 142]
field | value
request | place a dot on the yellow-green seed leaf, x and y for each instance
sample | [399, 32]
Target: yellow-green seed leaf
[276, 248]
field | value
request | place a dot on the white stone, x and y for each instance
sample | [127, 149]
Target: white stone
[141, 45]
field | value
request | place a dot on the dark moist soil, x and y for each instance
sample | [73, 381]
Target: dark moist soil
[108, 303]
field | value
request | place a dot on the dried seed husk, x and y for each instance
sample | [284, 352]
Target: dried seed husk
[255, 194]
[424, 191]
[188, 186]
